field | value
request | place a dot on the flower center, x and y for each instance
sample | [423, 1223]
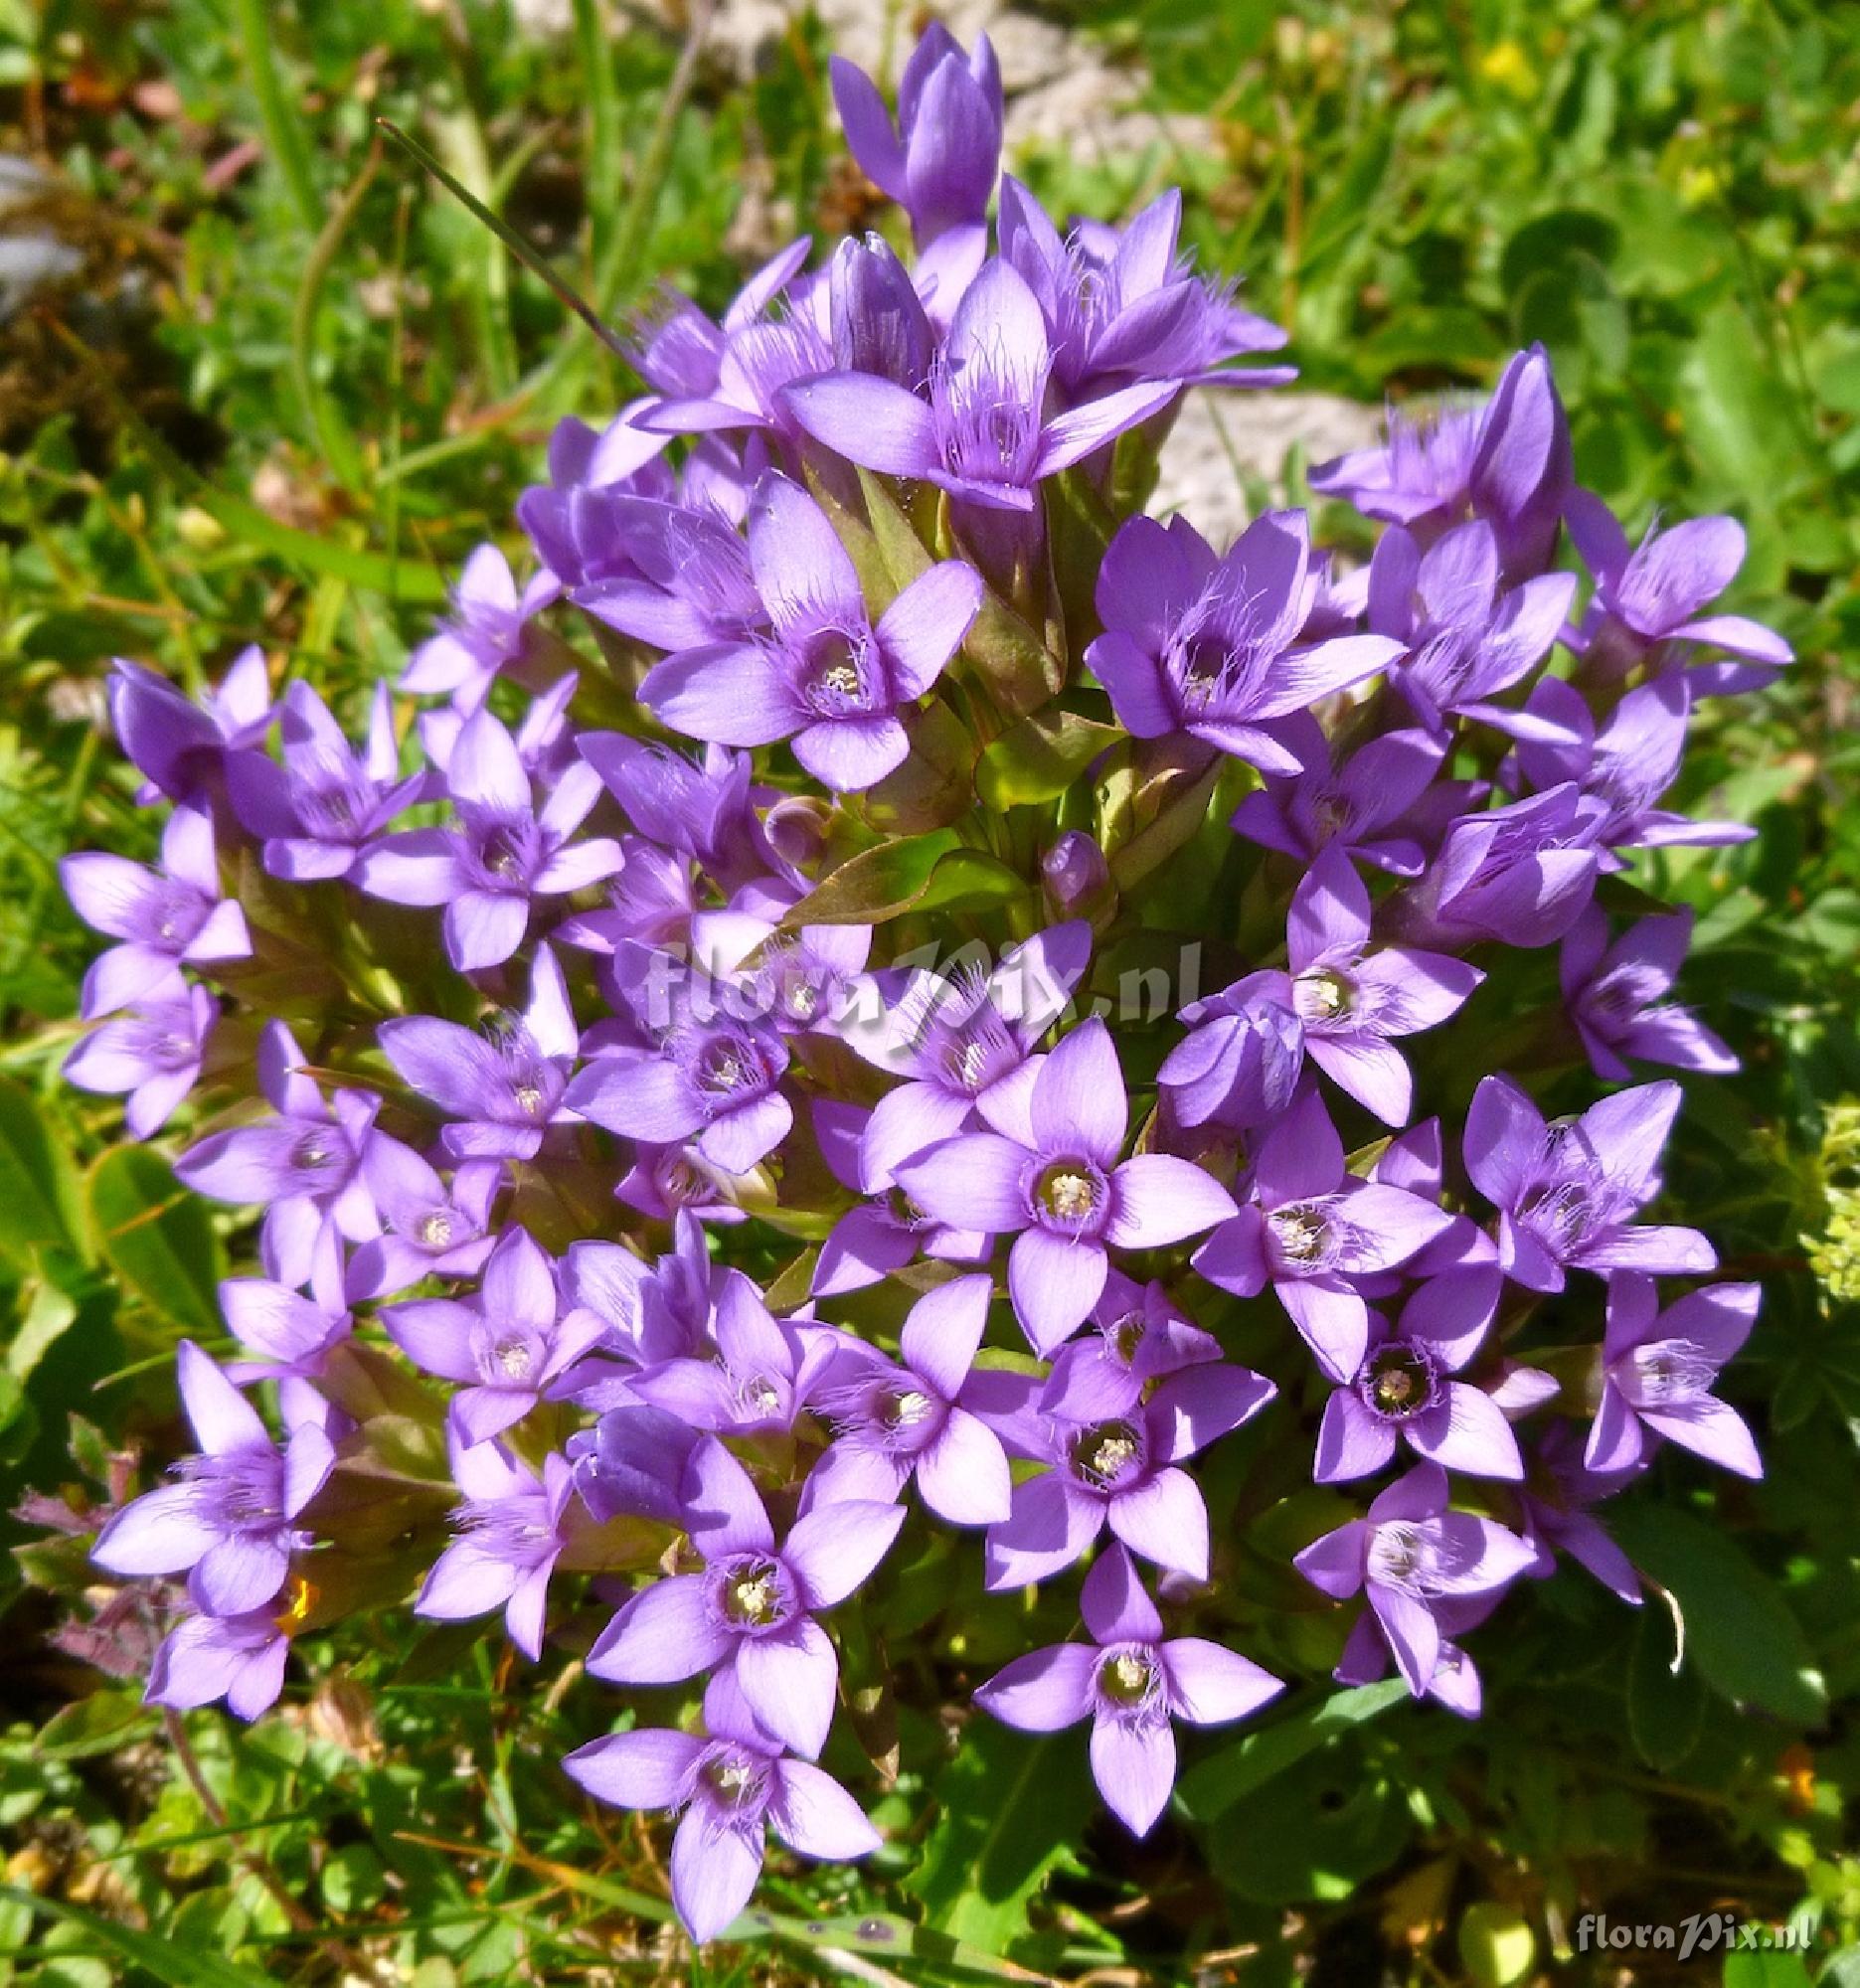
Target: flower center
[1203, 666]
[1321, 996]
[1301, 1232]
[1128, 1335]
[313, 1152]
[1398, 1382]
[734, 1779]
[435, 1229]
[1068, 1193]
[901, 1408]
[836, 674]
[514, 1354]
[752, 1597]
[1128, 1678]
[1105, 1454]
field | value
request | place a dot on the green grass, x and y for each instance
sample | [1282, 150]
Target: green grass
[289, 393]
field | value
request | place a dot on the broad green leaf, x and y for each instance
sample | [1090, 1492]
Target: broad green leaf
[105, 1721]
[156, 1237]
[1766, 1970]
[178, 1967]
[37, 1195]
[1496, 1943]
[1039, 756]
[1020, 671]
[1215, 1784]
[1172, 829]
[1007, 1808]
[919, 873]
[1738, 1629]
[905, 554]
[1666, 1709]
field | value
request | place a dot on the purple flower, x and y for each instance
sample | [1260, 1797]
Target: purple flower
[181, 747]
[485, 870]
[1557, 1515]
[1652, 594]
[1465, 639]
[1360, 802]
[704, 1073]
[429, 1230]
[982, 435]
[690, 582]
[1411, 1554]
[503, 1087]
[1521, 875]
[1120, 1470]
[892, 1421]
[1368, 1654]
[291, 1335]
[963, 1040]
[1237, 1067]
[510, 1530]
[152, 1056]
[1054, 1183]
[302, 1165]
[752, 1608]
[1212, 647]
[703, 811]
[651, 1312]
[1568, 1194]
[1131, 1684]
[228, 1522]
[1124, 305]
[828, 679]
[884, 1231]
[483, 632]
[941, 162]
[1406, 1390]
[728, 1787]
[1659, 1370]
[161, 916]
[681, 352]
[1615, 997]
[1140, 1338]
[1507, 463]
[1311, 1230]
[240, 1658]
[505, 1349]
[1350, 1000]
[764, 1373]
[314, 812]
[1075, 876]
[880, 325]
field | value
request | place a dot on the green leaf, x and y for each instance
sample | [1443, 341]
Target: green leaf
[103, 1722]
[1215, 1784]
[1766, 1970]
[177, 1966]
[1665, 1709]
[1738, 1629]
[1007, 1807]
[1039, 756]
[156, 1237]
[917, 873]
[36, 1191]
[1021, 673]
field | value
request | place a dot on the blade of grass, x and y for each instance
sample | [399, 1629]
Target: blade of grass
[603, 122]
[284, 135]
[327, 428]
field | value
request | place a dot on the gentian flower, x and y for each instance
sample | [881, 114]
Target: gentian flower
[1521, 875]
[689, 580]
[291, 1334]
[1361, 803]
[1368, 1654]
[883, 1232]
[302, 1165]
[1557, 1514]
[880, 325]
[485, 870]
[151, 1056]
[239, 1658]
[1122, 304]
[893, 1422]
[1658, 1367]
[764, 1373]
[752, 1608]
[1614, 995]
[1122, 1471]
[829, 680]
[181, 747]
[1406, 1389]
[704, 1075]
[1652, 594]
[1130, 1681]
[1140, 1337]
[1237, 1067]
[428, 1230]
[160, 917]
[1466, 640]
[982, 435]
[728, 1787]
[1350, 1000]
[502, 1087]
[505, 1349]
[1507, 461]
[483, 632]
[963, 1040]
[1056, 1185]
[1568, 1194]
[941, 162]
[1311, 1230]
[633, 1463]
[1411, 1554]
[227, 1524]
[1213, 646]
[510, 1530]
[314, 812]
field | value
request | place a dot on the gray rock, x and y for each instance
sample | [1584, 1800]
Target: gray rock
[1224, 436]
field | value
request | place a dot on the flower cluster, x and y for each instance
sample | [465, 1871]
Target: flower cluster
[709, 1151]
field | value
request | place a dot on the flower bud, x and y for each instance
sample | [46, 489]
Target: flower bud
[1074, 875]
[879, 324]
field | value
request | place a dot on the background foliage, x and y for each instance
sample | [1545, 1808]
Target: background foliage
[288, 388]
